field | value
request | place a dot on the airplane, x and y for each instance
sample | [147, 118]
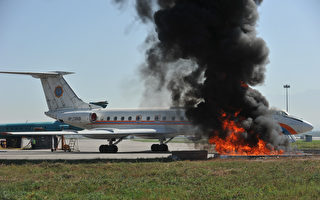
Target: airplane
[291, 125]
[114, 125]
[36, 126]
[15, 140]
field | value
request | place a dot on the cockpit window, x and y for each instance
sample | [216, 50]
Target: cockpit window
[283, 113]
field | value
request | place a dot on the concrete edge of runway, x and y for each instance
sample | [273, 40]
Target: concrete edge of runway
[78, 161]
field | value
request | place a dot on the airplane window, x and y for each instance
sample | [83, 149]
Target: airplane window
[122, 118]
[130, 118]
[156, 118]
[138, 117]
[115, 119]
[181, 118]
[173, 118]
[108, 118]
[164, 118]
[148, 118]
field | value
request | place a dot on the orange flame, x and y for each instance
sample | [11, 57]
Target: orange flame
[243, 84]
[235, 143]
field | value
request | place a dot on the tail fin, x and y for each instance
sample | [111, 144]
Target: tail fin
[58, 93]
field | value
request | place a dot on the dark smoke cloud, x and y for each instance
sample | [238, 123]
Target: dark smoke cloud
[144, 9]
[205, 53]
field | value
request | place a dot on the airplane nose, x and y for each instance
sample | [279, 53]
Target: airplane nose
[307, 126]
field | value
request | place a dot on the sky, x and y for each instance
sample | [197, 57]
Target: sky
[104, 45]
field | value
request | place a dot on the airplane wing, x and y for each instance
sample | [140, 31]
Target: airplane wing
[101, 133]
[38, 133]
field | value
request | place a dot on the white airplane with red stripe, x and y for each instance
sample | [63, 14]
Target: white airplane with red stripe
[114, 125]
[291, 125]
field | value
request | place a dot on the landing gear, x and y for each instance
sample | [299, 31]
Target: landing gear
[112, 147]
[159, 147]
[162, 147]
[108, 149]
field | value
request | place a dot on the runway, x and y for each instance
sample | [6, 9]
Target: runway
[88, 149]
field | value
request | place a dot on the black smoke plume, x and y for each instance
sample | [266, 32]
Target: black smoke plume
[207, 54]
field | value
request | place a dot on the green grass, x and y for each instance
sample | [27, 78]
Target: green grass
[301, 144]
[214, 179]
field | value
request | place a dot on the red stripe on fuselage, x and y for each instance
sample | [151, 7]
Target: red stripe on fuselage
[291, 130]
[141, 123]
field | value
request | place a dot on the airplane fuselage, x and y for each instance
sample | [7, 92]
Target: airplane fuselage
[291, 125]
[167, 121]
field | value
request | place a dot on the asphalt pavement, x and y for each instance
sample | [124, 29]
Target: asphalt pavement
[89, 149]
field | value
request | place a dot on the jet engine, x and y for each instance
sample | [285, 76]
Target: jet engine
[79, 117]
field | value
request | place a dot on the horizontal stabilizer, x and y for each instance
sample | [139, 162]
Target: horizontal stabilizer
[39, 74]
[102, 104]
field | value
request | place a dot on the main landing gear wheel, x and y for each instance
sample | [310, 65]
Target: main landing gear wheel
[112, 147]
[159, 147]
[108, 148]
